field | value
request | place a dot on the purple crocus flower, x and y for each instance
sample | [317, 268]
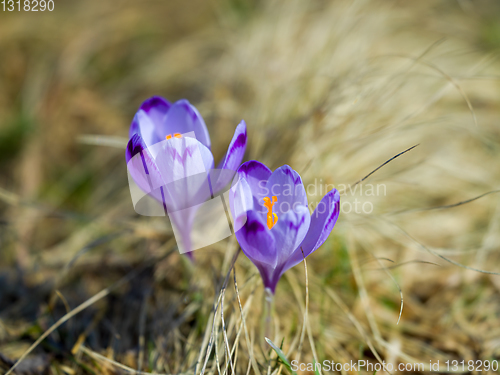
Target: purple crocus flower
[275, 250]
[169, 158]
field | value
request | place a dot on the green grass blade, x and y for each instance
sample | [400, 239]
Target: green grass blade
[281, 355]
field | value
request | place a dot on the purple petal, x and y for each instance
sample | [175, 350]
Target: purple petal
[149, 119]
[256, 174]
[184, 164]
[182, 118]
[290, 231]
[257, 242]
[156, 108]
[234, 155]
[135, 145]
[323, 220]
[270, 275]
[287, 186]
[240, 202]
[179, 158]
[142, 167]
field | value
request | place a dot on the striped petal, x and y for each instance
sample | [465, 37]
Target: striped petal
[148, 120]
[183, 118]
[323, 220]
[229, 164]
[184, 164]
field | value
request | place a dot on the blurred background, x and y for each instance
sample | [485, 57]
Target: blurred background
[332, 88]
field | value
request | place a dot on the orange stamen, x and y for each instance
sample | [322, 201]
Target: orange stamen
[176, 135]
[272, 218]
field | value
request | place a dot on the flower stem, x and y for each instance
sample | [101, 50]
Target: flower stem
[268, 307]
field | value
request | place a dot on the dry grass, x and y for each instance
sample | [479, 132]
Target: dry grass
[333, 88]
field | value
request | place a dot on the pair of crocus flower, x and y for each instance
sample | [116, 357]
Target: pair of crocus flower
[169, 157]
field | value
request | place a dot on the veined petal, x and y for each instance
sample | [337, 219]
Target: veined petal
[234, 155]
[257, 242]
[142, 167]
[240, 202]
[290, 231]
[287, 186]
[149, 118]
[179, 158]
[323, 220]
[182, 118]
[135, 145]
[184, 164]
[256, 174]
